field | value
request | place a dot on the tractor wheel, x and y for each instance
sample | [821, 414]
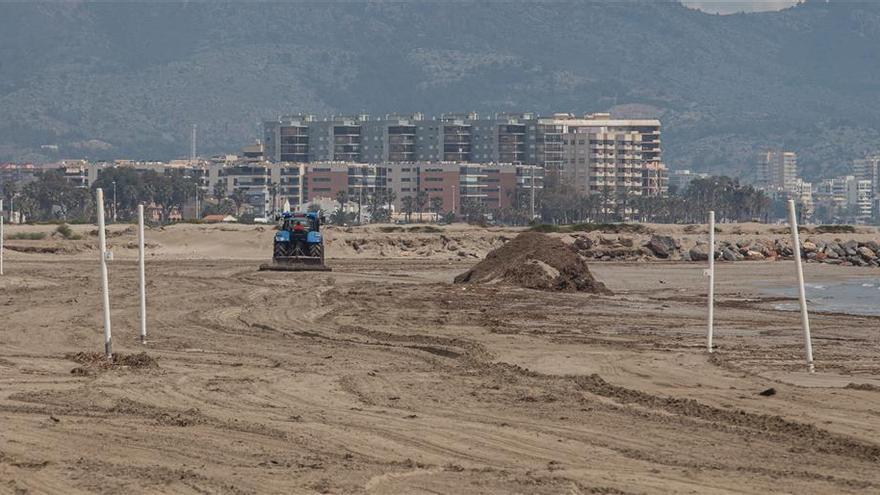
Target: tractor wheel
[279, 251]
[317, 251]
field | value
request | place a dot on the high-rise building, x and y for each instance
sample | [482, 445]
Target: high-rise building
[777, 172]
[849, 198]
[868, 169]
[593, 152]
[860, 199]
[600, 153]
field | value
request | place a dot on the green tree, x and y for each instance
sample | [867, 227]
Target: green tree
[10, 190]
[239, 197]
[376, 203]
[437, 206]
[421, 203]
[342, 198]
[389, 196]
[51, 196]
[408, 206]
[219, 190]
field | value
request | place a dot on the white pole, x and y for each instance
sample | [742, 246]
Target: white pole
[105, 289]
[141, 273]
[805, 318]
[711, 281]
[1, 237]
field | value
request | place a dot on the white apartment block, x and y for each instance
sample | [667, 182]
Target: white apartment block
[868, 169]
[860, 198]
[848, 195]
[777, 172]
[604, 155]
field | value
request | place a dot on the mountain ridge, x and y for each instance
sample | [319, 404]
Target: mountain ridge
[107, 80]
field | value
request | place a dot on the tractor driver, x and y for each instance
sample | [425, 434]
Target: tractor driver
[298, 227]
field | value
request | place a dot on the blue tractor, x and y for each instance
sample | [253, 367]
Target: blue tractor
[298, 244]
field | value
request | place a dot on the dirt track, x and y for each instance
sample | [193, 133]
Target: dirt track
[382, 377]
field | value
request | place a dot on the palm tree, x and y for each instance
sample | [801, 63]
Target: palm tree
[437, 206]
[407, 203]
[219, 190]
[342, 198]
[390, 196]
[607, 196]
[274, 189]
[10, 189]
[421, 203]
[375, 202]
[239, 197]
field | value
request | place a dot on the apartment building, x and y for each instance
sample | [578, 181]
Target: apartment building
[834, 191]
[267, 185]
[868, 169]
[777, 172]
[603, 155]
[593, 152]
[860, 195]
[802, 193]
[847, 196]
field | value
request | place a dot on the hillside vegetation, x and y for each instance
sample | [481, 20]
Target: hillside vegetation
[102, 80]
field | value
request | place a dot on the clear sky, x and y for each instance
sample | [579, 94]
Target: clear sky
[733, 6]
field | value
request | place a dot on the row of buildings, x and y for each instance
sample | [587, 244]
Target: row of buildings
[453, 186]
[267, 185]
[593, 152]
[853, 197]
[462, 159]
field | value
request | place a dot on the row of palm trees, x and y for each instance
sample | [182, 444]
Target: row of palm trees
[379, 204]
[562, 204]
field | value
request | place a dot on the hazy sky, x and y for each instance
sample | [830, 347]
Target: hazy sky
[732, 6]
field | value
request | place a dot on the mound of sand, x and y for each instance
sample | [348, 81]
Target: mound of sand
[535, 261]
[97, 360]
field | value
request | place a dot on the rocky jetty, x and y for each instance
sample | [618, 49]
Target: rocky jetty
[660, 247]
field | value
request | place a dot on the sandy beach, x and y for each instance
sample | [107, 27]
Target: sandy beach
[384, 377]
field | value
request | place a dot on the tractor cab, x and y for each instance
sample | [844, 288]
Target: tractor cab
[300, 222]
[298, 243]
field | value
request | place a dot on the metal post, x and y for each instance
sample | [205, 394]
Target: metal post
[1, 237]
[805, 318]
[105, 289]
[454, 210]
[711, 274]
[142, 278]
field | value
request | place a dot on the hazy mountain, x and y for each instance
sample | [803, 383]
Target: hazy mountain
[129, 79]
[736, 6]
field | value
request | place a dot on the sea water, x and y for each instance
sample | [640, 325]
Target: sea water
[858, 297]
